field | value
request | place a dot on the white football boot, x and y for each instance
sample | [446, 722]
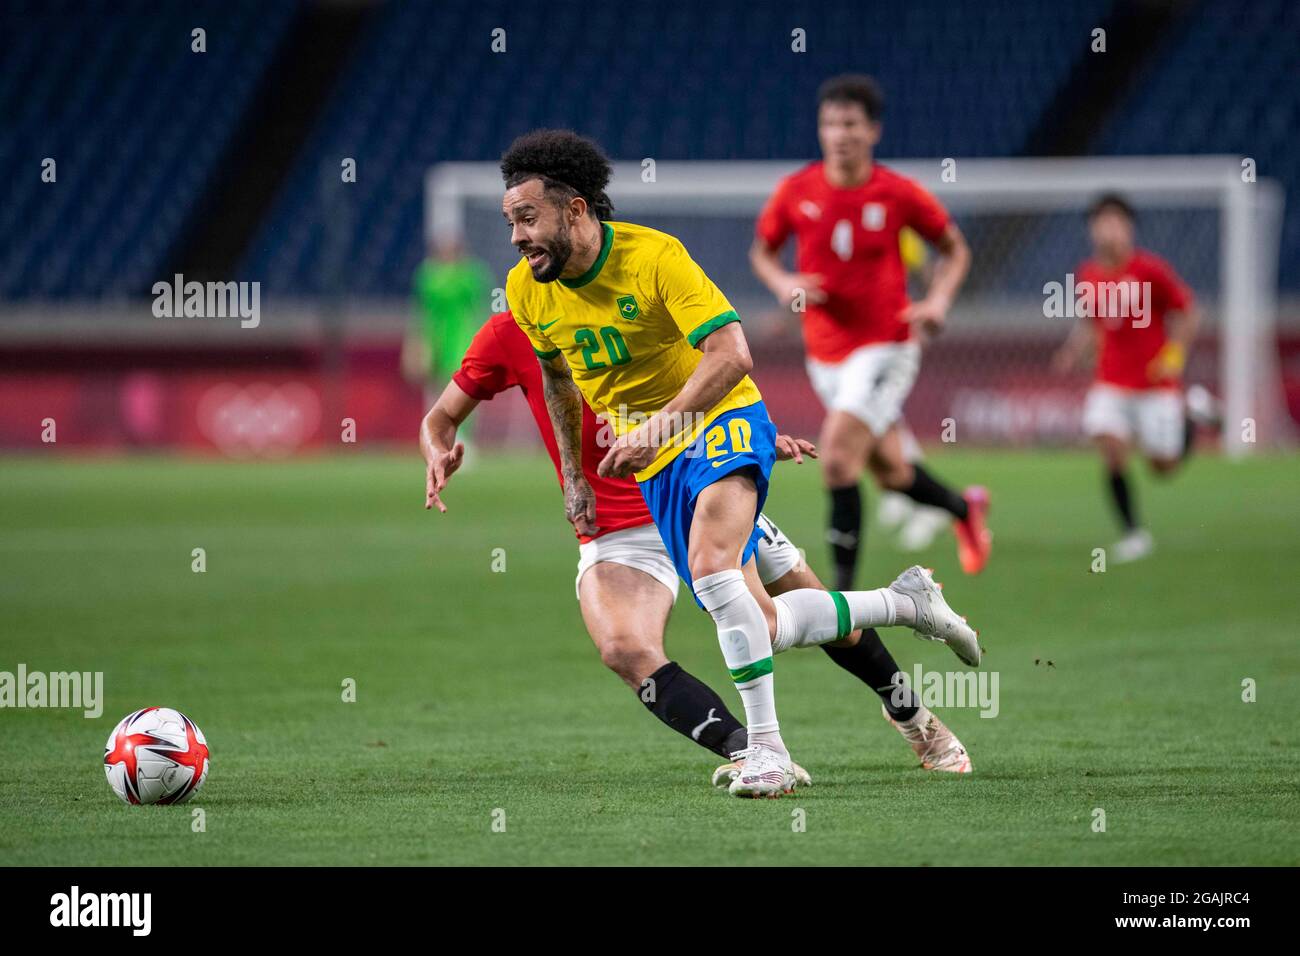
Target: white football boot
[894, 510]
[723, 776]
[934, 744]
[1203, 408]
[920, 530]
[1134, 546]
[763, 773]
[935, 620]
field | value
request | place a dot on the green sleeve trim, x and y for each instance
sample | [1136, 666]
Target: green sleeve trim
[743, 675]
[606, 243]
[711, 326]
[843, 620]
[546, 355]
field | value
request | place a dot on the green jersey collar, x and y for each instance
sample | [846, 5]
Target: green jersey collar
[606, 243]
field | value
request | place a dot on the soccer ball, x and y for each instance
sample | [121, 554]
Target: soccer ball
[156, 755]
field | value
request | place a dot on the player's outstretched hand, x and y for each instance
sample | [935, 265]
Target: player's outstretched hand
[788, 448]
[580, 504]
[926, 315]
[437, 474]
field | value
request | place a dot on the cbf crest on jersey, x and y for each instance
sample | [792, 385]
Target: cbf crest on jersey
[627, 307]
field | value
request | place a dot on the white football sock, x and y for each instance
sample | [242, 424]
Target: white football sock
[807, 617]
[747, 649]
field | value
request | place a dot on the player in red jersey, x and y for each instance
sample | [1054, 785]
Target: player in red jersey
[627, 584]
[1142, 318]
[862, 336]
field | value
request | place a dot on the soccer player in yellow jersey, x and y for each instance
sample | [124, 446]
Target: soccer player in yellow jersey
[621, 316]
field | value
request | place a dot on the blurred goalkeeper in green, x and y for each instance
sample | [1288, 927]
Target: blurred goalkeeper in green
[451, 290]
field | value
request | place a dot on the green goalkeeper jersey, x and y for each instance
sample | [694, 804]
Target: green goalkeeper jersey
[452, 297]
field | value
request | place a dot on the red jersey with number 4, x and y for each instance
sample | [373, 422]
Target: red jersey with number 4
[501, 357]
[1129, 306]
[849, 237]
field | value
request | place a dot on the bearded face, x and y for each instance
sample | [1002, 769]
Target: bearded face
[538, 229]
[547, 257]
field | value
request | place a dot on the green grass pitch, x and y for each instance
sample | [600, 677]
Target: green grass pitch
[480, 697]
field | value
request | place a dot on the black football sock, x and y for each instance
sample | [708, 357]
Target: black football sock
[927, 491]
[870, 662]
[1119, 494]
[845, 533]
[1189, 438]
[690, 707]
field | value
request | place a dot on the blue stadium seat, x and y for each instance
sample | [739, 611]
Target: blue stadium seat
[136, 123]
[661, 80]
[1226, 81]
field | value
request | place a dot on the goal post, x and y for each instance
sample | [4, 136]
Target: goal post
[1024, 220]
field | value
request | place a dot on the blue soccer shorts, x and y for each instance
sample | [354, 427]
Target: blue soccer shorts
[743, 439]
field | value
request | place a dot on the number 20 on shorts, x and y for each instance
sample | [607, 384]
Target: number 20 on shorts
[715, 438]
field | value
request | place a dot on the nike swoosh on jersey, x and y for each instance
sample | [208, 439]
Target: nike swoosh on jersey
[543, 328]
[719, 464]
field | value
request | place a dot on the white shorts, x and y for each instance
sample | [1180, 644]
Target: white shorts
[642, 548]
[1154, 417]
[776, 556]
[871, 383]
[639, 547]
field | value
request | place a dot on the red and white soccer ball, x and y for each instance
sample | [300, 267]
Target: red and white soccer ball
[156, 755]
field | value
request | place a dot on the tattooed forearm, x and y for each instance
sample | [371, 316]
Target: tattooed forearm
[564, 403]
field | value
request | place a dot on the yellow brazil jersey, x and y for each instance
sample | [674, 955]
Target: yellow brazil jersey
[628, 328]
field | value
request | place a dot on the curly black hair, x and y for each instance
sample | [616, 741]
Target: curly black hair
[854, 88]
[567, 164]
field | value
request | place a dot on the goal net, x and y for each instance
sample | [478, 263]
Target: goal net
[988, 379]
